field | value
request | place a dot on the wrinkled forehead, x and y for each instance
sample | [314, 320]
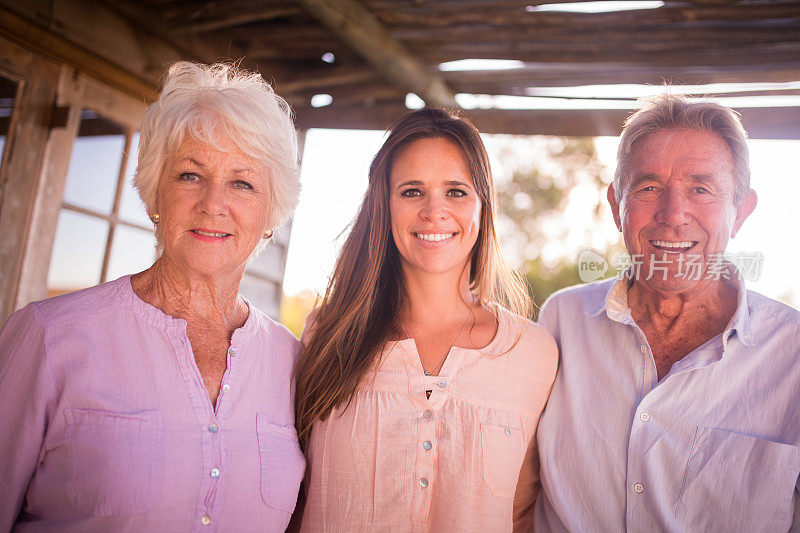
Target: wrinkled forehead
[673, 152]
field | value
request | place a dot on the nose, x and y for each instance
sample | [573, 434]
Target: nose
[213, 201]
[673, 208]
[433, 208]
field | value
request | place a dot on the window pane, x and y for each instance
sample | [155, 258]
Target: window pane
[131, 207]
[132, 251]
[78, 252]
[265, 295]
[94, 164]
[8, 90]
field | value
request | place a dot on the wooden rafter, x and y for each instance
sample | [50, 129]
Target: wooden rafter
[366, 35]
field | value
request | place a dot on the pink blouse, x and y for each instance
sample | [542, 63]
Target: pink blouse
[107, 426]
[463, 460]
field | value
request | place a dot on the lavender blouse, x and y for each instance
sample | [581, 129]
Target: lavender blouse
[105, 424]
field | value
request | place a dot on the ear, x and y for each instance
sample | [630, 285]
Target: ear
[612, 201]
[746, 206]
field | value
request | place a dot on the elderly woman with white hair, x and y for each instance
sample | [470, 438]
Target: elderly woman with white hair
[163, 400]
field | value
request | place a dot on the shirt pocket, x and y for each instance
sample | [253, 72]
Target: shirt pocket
[735, 482]
[503, 451]
[282, 464]
[114, 461]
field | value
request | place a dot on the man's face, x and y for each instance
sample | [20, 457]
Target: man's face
[678, 208]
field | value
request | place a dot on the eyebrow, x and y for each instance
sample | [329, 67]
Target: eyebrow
[417, 183]
[644, 177]
[201, 165]
[703, 178]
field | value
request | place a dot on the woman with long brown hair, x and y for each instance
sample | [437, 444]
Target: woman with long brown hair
[421, 382]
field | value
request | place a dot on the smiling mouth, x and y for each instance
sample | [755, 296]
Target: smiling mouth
[210, 233]
[673, 247]
[433, 237]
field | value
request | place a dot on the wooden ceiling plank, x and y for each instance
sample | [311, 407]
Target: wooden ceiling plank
[665, 58]
[320, 82]
[51, 45]
[433, 16]
[207, 50]
[366, 35]
[760, 123]
[231, 20]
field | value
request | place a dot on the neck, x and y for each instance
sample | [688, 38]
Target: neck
[194, 298]
[717, 300]
[429, 297]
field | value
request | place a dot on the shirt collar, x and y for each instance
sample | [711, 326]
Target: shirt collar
[615, 304]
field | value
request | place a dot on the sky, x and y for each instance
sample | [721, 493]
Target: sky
[334, 178]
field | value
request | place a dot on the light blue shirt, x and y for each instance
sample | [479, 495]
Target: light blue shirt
[713, 446]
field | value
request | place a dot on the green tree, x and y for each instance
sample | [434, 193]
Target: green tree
[551, 193]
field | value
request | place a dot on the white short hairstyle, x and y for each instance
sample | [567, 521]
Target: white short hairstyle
[673, 112]
[211, 102]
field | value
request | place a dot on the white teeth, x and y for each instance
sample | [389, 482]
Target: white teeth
[433, 237]
[210, 233]
[667, 244]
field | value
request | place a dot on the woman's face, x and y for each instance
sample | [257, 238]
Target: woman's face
[434, 208]
[213, 208]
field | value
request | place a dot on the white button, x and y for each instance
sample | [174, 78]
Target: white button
[427, 413]
[442, 384]
[644, 348]
[232, 351]
[645, 417]
[205, 520]
[423, 482]
[427, 445]
[226, 387]
[214, 473]
[638, 488]
[507, 432]
[212, 428]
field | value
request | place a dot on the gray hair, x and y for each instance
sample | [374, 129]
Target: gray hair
[669, 112]
[208, 102]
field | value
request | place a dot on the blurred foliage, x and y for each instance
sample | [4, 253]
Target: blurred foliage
[536, 182]
[295, 309]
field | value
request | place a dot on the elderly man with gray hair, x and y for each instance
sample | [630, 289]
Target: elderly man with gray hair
[677, 401]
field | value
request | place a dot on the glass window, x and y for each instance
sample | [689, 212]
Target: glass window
[103, 231]
[78, 252]
[8, 91]
[131, 208]
[133, 250]
[94, 164]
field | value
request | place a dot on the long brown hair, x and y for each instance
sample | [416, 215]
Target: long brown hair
[360, 308]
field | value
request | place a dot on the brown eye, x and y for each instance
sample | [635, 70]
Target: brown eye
[189, 176]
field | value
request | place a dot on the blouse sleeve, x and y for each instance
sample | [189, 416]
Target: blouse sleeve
[27, 396]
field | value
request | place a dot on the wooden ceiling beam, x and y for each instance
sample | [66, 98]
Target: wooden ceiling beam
[221, 20]
[760, 123]
[359, 28]
[434, 15]
[665, 58]
[516, 82]
[324, 79]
